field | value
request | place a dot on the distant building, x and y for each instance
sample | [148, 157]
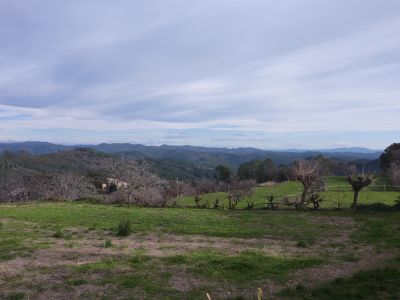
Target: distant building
[113, 185]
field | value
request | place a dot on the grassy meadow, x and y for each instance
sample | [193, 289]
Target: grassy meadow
[75, 250]
[338, 194]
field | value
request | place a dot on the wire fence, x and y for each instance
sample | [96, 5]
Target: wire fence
[337, 194]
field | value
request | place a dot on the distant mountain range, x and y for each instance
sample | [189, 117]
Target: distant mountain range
[341, 150]
[202, 156]
[185, 162]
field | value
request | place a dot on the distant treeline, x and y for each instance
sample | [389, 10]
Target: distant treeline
[266, 170]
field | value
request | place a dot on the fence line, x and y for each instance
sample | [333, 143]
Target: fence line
[335, 189]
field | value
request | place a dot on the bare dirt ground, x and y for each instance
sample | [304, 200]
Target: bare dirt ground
[42, 275]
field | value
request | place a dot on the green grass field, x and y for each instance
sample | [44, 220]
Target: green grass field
[71, 250]
[339, 194]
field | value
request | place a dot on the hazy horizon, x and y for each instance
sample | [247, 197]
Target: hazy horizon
[307, 74]
[194, 145]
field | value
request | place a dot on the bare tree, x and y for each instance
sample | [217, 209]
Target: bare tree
[68, 187]
[240, 190]
[143, 187]
[308, 172]
[358, 182]
[12, 188]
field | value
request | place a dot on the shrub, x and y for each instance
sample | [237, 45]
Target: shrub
[108, 244]
[59, 234]
[316, 200]
[197, 199]
[217, 204]
[301, 244]
[124, 228]
[16, 296]
[270, 202]
[250, 204]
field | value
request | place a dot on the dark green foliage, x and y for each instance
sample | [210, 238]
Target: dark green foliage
[223, 173]
[389, 156]
[108, 244]
[301, 244]
[79, 161]
[15, 296]
[59, 234]
[176, 168]
[169, 162]
[258, 170]
[124, 228]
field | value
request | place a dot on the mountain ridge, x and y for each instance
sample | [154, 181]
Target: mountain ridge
[37, 146]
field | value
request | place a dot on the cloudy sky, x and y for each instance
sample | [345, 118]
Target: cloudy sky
[261, 73]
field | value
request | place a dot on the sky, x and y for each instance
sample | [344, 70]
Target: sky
[270, 74]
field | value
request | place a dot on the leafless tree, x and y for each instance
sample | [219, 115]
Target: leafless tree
[143, 187]
[308, 172]
[17, 186]
[68, 187]
[12, 188]
[358, 182]
[240, 190]
[351, 169]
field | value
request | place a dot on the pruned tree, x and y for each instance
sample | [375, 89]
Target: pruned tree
[308, 172]
[358, 182]
[240, 190]
[199, 189]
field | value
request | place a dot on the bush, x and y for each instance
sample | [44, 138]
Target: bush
[108, 244]
[15, 296]
[59, 234]
[124, 228]
[301, 244]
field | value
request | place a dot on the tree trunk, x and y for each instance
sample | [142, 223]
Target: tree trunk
[304, 195]
[355, 199]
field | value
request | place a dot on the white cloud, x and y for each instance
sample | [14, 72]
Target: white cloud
[217, 66]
